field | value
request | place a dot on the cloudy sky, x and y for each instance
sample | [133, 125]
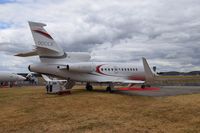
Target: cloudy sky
[166, 32]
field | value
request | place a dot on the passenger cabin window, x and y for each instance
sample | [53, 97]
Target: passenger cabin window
[112, 69]
[108, 69]
[130, 69]
[124, 69]
[105, 69]
[127, 69]
[101, 69]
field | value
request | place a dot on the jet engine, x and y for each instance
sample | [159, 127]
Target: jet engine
[77, 67]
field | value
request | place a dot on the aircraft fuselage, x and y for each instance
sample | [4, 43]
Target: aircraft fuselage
[92, 71]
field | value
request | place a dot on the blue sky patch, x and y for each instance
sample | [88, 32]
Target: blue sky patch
[6, 1]
[4, 25]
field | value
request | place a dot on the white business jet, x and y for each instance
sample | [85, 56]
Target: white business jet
[77, 66]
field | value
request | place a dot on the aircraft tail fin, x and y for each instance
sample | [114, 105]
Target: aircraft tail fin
[45, 45]
[149, 76]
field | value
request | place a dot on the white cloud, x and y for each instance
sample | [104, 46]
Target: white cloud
[164, 31]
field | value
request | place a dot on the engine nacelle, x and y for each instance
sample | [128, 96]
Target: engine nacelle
[77, 67]
[43, 68]
[78, 56]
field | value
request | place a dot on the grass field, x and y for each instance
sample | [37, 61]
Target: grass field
[29, 109]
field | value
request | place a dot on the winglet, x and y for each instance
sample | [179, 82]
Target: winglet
[148, 73]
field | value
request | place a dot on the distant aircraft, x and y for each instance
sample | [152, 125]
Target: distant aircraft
[6, 77]
[77, 67]
[31, 78]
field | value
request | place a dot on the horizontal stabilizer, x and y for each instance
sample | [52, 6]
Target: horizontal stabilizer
[36, 24]
[27, 54]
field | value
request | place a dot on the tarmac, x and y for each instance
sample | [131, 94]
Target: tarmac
[164, 91]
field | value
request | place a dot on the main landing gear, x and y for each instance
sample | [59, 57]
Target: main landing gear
[88, 87]
[110, 87]
[144, 86]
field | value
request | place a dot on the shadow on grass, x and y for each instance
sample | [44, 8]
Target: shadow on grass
[79, 91]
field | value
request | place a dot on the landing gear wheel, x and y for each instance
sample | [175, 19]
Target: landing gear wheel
[108, 89]
[89, 87]
[142, 86]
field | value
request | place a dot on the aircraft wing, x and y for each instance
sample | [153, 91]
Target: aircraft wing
[133, 81]
[46, 78]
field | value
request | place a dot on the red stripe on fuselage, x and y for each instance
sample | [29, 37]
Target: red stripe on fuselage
[99, 71]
